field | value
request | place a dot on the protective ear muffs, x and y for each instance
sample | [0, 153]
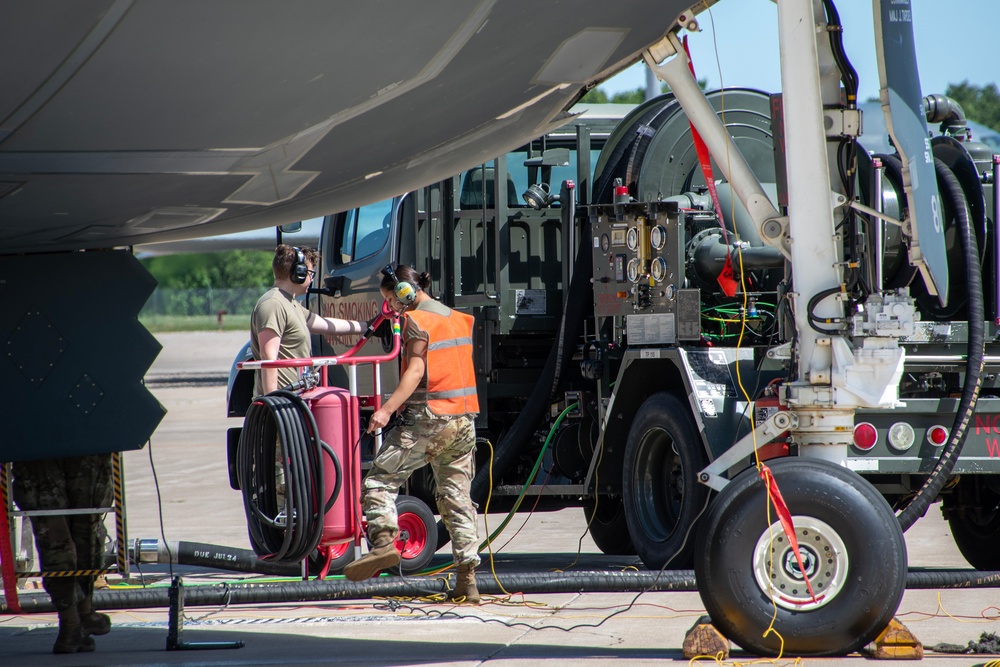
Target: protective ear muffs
[406, 292]
[300, 270]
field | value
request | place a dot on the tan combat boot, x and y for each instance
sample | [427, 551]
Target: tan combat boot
[383, 555]
[465, 584]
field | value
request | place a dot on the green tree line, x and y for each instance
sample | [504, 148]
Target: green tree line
[980, 103]
[205, 284]
[227, 269]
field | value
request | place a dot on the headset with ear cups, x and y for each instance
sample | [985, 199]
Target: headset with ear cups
[299, 272]
[405, 291]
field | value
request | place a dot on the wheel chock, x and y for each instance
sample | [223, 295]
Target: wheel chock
[896, 642]
[703, 639]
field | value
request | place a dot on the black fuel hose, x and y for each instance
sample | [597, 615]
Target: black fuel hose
[587, 581]
[285, 524]
[848, 74]
[974, 359]
[537, 404]
[218, 557]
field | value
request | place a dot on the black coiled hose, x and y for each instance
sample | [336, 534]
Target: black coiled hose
[286, 524]
[974, 360]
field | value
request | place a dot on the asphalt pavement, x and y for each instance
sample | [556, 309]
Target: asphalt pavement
[177, 489]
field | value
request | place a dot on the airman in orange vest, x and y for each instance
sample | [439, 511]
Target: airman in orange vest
[437, 399]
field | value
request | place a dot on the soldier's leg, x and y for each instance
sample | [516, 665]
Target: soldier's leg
[401, 454]
[89, 485]
[454, 469]
[41, 485]
[57, 552]
[454, 465]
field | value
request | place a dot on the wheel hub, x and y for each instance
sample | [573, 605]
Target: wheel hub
[824, 561]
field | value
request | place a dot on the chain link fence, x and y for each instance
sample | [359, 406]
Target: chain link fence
[167, 301]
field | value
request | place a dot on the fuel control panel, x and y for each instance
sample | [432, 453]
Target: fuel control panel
[639, 270]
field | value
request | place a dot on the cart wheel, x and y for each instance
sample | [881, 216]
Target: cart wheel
[851, 546]
[417, 540]
[343, 553]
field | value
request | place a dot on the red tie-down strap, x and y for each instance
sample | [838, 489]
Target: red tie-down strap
[726, 277]
[7, 557]
[785, 517]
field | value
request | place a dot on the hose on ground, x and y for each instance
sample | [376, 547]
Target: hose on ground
[974, 359]
[213, 556]
[280, 469]
[602, 581]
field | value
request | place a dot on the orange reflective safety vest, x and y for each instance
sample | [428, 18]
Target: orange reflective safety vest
[451, 376]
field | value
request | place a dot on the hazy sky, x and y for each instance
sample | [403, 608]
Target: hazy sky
[956, 41]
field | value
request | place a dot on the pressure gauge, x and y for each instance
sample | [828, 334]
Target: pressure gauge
[633, 269]
[658, 237]
[632, 240]
[658, 269]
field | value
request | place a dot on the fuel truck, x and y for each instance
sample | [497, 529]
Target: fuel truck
[725, 327]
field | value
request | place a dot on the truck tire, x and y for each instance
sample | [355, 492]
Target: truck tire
[852, 547]
[661, 493]
[976, 530]
[608, 528]
[419, 528]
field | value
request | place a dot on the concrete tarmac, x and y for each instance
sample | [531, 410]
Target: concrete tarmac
[177, 490]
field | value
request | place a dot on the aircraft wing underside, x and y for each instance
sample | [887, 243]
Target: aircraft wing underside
[133, 121]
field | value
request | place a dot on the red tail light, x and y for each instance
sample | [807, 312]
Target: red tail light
[865, 436]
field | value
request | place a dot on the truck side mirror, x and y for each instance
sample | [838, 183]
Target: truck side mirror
[332, 286]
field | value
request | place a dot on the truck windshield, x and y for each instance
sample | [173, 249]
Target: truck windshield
[364, 231]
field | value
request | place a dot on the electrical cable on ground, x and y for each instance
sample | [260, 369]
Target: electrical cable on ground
[159, 505]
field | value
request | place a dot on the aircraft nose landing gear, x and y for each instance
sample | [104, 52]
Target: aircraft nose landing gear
[852, 552]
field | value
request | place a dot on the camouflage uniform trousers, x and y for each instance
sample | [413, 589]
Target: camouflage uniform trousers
[448, 445]
[66, 542]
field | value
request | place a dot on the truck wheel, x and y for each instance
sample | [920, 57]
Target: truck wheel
[976, 529]
[852, 549]
[661, 493]
[608, 528]
[417, 540]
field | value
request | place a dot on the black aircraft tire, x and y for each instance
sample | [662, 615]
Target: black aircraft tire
[851, 543]
[608, 527]
[978, 538]
[661, 493]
